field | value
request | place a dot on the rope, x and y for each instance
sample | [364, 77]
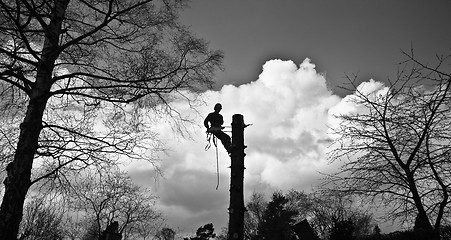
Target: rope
[214, 139]
[217, 165]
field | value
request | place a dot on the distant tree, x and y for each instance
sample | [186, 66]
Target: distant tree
[397, 146]
[82, 72]
[253, 217]
[320, 208]
[205, 232]
[277, 220]
[115, 198]
[342, 229]
[166, 234]
[146, 229]
[42, 220]
[323, 208]
[302, 203]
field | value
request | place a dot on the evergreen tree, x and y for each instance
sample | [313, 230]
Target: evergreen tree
[277, 220]
[204, 233]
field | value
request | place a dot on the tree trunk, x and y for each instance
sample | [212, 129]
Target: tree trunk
[422, 220]
[236, 207]
[18, 171]
[18, 179]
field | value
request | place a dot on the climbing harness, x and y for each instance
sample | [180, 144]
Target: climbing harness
[212, 138]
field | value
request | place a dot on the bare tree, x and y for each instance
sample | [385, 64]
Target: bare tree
[113, 197]
[68, 60]
[42, 220]
[253, 217]
[396, 148]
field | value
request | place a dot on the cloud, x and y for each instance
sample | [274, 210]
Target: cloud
[288, 106]
[350, 103]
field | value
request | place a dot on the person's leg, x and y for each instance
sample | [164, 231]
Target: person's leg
[225, 139]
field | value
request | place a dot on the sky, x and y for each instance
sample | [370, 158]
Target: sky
[284, 64]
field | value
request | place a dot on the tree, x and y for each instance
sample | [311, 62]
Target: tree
[277, 220]
[342, 230]
[324, 208]
[69, 60]
[42, 220]
[145, 229]
[397, 145]
[166, 234]
[205, 232]
[114, 199]
[253, 217]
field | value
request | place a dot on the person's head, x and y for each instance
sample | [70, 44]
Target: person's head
[218, 107]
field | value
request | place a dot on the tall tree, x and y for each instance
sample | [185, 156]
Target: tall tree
[66, 60]
[397, 146]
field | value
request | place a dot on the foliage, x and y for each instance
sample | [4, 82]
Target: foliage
[396, 142]
[277, 220]
[324, 208]
[342, 230]
[320, 208]
[166, 234]
[205, 232]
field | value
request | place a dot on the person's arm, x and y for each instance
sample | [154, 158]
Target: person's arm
[206, 121]
[222, 120]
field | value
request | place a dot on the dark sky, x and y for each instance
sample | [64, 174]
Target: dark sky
[352, 36]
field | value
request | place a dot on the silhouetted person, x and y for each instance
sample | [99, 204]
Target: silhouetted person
[213, 122]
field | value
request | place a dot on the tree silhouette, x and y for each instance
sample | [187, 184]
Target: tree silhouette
[277, 220]
[397, 147]
[253, 217]
[74, 66]
[115, 198]
[205, 232]
[166, 234]
[342, 230]
[42, 220]
[324, 207]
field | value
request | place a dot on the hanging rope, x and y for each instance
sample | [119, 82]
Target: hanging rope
[212, 138]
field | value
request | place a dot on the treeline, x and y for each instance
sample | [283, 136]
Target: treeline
[330, 216]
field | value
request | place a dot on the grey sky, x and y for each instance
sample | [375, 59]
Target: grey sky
[347, 36]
